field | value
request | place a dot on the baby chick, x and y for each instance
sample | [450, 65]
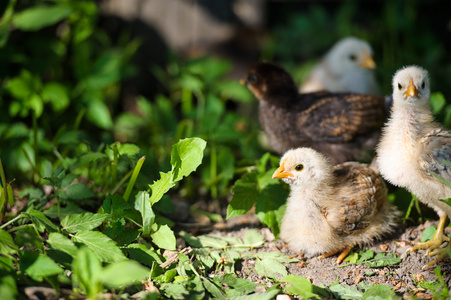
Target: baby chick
[347, 67]
[332, 208]
[343, 126]
[413, 150]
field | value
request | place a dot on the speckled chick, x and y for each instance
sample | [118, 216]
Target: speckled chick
[347, 67]
[413, 150]
[332, 208]
[342, 126]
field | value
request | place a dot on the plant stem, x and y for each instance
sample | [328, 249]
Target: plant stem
[12, 221]
[132, 181]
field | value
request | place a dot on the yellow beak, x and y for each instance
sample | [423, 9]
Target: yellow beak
[367, 61]
[280, 172]
[243, 81]
[411, 90]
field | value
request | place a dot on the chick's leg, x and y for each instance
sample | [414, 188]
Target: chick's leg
[433, 245]
[340, 257]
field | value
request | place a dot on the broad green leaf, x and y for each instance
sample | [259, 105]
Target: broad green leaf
[253, 238]
[62, 243]
[236, 286]
[123, 273]
[7, 245]
[383, 260]
[365, 255]
[103, 247]
[38, 266]
[186, 156]
[76, 191]
[174, 291]
[270, 207]
[163, 237]
[86, 270]
[345, 292]
[84, 221]
[56, 94]
[8, 286]
[38, 17]
[270, 267]
[27, 236]
[140, 253]
[380, 292]
[160, 187]
[99, 114]
[234, 90]
[268, 295]
[41, 221]
[143, 205]
[212, 241]
[428, 233]
[46, 168]
[276, 255]
[213, 289]
[245, 194]
[300, 286]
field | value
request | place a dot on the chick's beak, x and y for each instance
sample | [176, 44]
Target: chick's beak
[243, 81]
[411, 90]
[280, 172]
[367, 61]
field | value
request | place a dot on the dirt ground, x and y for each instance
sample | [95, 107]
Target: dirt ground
[401, 277]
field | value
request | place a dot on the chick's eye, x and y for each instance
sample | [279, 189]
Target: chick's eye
[399, 86]
[423, 84]
[352, 57]
[299, 167]
[252, 78]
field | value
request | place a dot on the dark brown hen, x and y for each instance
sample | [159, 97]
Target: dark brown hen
[343, 126]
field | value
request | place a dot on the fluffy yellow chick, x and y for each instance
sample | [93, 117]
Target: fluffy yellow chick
[414, 148]
[332, 208]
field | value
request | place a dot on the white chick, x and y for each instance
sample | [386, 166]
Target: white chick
[414, 148]
[347, 67]
[332, 208]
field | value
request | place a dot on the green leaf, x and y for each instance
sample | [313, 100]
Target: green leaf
[123, 273]
[245, 194]
[276, 255]
[56, 94]
[99, 114]
[383, 260]
[213, 289]
[86, 270]
[38, 17]
[212, 241]
[268, 295]
[62, 243]
[270, 207]
[38, 266]
[140, 253]
[8, 286]
[365, 255]
[186, 156]
[164, 237]
[300, 286]
[7, 245]
[270, 267]
[174, 291]
[41, 221]
[84, 221]
[160, 187]
[437, 102]
[428, 233]
[380, 292]
[236, 286]
[253, 238]
[103, 247]
[76, 191]
[143, 205]
[345, 292]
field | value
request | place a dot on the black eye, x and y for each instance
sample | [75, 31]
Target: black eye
[423, 84]
[399, 86]
[252, 78]
[352, 57]
[299, 167]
